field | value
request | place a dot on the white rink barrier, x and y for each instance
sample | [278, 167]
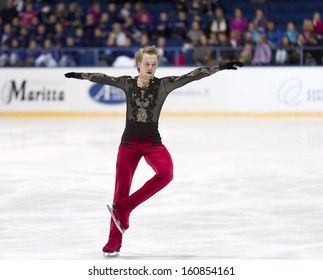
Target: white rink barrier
[272, 91]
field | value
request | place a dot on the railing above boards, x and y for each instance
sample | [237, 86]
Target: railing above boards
[171, 56]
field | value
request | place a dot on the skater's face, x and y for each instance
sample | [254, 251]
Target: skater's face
[148, 65]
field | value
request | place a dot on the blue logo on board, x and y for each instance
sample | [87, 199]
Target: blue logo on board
[290, 91]
[107, 94]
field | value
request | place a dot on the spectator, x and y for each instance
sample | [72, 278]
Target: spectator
[97, 40]
[141, 15]
[70, 55]
[24, 37]
[117, 37]
[213, 39]
[318, 25]
[312, 56]
[254, 32]
[226, 53]
[15, 58]
[32, 52]
[8, 12]
[164, 26]
[283, 52]
[19, 5]
[239, 22]
[40, 35]
[247, 51]
[165, 57]
[7, 35]
[95, 12]
[1, 27]
[74, 16]
[180, 26]
[262, 54]
[4, 55]
[143, 19]
[37, 5]
[125, 12]
[235, 39]
[196, 7]
[291, 33]
[59, 36]
[44, 14]
[131, 30]
[106, 56]
[295, 55]
[79, 39]
[203, 54]
[88, 29]
[199, 19]
[194, 34]
[273, 34]
[113, 11]
[46, 57]
[144, 40]
[27, 16]
[260, 21]
[105, 24]
[308, 32]
[180, 6]
[124, 58]
[61, 13]
[50, 26]
[15, 27]
[218, 23]
[33, 26]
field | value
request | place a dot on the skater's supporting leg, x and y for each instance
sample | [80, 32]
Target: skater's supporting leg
[115, 240]
[127, 162]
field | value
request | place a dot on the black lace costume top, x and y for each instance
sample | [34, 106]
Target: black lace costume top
[144, 104]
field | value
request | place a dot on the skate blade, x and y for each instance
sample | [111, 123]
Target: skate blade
[111, 255]
[117, 223]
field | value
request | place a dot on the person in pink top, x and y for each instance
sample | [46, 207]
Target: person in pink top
[27, 16]
[141, 15]
[238, 23]
[318, 24]
[95, 11]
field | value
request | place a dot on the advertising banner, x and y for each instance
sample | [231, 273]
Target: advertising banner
[272, 89]
[247, 90]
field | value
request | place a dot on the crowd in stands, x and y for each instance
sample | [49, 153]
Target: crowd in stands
[59, 33]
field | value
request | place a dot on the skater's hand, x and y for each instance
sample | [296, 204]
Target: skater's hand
[74, 75]
[232, 65]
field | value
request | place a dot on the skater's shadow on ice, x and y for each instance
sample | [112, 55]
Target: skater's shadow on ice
[158, 257]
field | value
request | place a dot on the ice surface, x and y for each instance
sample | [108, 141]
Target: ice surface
[243, 189]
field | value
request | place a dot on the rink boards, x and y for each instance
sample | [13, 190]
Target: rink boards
[249, 91]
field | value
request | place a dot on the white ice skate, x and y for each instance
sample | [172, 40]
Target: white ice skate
[111, 255]
[117, 223]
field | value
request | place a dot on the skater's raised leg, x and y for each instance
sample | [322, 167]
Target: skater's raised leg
[160, 160]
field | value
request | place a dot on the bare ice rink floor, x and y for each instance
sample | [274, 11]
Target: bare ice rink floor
[243, 189]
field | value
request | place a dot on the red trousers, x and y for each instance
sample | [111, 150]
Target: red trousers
[128, 158]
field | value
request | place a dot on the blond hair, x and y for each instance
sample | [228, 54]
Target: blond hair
[146, 50]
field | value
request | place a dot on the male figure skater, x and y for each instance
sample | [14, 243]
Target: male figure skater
[145, 95]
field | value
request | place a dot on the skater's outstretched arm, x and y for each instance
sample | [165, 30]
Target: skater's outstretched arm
[99, 78]
[174, 82]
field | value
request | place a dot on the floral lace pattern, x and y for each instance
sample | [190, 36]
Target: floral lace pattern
[143, 100]
[144, 103]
